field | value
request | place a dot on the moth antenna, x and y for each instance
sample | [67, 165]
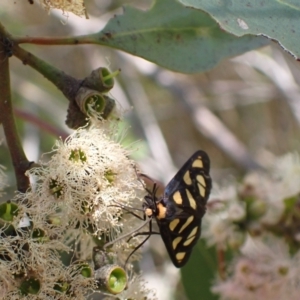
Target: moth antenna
[125, 207]
[127, 234]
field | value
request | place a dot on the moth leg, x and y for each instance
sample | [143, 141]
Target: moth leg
[149, 233]
[143, 233]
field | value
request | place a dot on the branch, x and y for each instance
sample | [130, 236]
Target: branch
[41, 124]
[19, 160]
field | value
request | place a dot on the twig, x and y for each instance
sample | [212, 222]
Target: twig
[41, 124]
[19, 160]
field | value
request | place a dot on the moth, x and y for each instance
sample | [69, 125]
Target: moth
[179, 211]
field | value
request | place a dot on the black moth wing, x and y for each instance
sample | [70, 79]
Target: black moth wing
[185, 198]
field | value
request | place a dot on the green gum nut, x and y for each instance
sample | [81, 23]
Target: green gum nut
[84, 269]
[111, 279]
[62, 287]
[101, 80]
[39, 235]
[8, 211]
[30, 286]
[90, 101]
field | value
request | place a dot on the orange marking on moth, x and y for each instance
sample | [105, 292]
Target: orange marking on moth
[148, 212]
[161, 211]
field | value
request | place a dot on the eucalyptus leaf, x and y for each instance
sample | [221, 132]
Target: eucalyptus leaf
[277, 19]
[173, 36]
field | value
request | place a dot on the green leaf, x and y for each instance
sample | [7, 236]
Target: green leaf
[198, 274]
[170, 35]
[276, 19]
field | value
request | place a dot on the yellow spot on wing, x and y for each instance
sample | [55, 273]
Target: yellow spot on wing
[180, 255]
[177, 198]
[173, 224]
[176, 242]
[201, 180]
[187, 178]
[191, 199]
[193, 232]
[191, 237]
[197, 163]
[187, 242]
[187, 223]
[201, 190]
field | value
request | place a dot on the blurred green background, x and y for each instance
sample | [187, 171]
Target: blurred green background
[243, 113]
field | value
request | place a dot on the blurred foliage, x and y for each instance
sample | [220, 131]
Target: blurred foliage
[199, 273]
[243, 104]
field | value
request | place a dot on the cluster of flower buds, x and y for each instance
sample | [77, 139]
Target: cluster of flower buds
[259, 220]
